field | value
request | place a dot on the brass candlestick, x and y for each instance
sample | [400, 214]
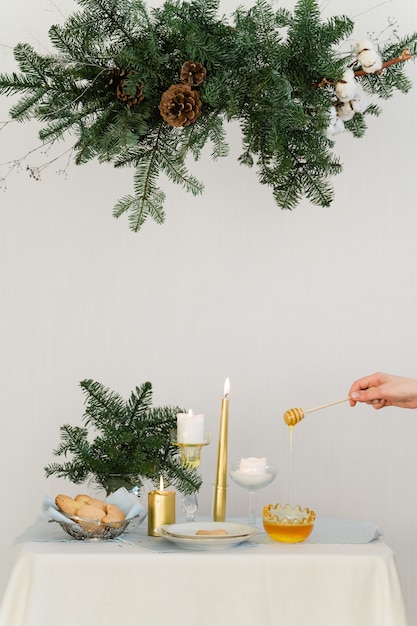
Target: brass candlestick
[220, 488]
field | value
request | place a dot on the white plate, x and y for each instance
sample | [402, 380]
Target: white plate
[184, 535]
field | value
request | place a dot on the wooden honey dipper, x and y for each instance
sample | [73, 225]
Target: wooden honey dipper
[293, 416]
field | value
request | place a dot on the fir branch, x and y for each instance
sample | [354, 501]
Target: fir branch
[152, 205]
[11, 84]
[115, 15]
[357, 125]
[115, 59]
[102, 404]
[317, 188]
[24, 108]
[148, 199]
[138, 403]
[121, 439]
[176, 170]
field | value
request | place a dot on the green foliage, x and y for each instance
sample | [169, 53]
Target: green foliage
[122, 438]
[265, 69]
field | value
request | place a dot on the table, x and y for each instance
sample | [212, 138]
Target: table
[148, 581]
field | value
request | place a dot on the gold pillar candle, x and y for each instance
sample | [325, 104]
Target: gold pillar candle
[220, 488]
[161, 508]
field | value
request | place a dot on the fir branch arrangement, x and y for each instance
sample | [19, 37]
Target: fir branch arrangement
[148, 87]
[128, 440]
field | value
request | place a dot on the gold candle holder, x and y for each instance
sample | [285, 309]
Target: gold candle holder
[220, 488]
[161, 509]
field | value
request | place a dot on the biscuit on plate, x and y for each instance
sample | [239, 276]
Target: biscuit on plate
[218, 531]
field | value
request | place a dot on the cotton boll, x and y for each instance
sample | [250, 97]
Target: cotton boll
[359, 103]
[369, 58]
[345, 111]
[336, 124]
[346, 88]
[332, 114]
[335, 129]
[370, 61]
[345, 91]
[362, 46]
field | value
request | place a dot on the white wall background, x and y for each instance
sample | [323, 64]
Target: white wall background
[292, 306]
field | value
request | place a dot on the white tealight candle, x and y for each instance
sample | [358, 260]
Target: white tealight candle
[253, 465]
[190, 428]
[252, 473]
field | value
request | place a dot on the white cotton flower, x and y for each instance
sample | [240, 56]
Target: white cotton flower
[336, 124]
[345, 111]
[339, 126]
[359, 103]
[370, 61]
[345, 89]
[368, 57]
[335, 129]
[332, 113]
[363, 45]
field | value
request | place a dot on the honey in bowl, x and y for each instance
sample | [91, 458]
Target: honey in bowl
[288, 524]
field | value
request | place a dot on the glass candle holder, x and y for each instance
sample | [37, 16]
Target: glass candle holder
[252, 476]
[191, 451]
[191, 457]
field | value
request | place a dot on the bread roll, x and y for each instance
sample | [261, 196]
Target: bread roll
[82, 498]
[114, 516]
[66, 504]
[91, 515]
[100, 503]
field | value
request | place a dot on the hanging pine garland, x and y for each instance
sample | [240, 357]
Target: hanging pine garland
[147, 87]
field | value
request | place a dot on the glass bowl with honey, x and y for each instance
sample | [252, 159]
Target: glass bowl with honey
[288, 524]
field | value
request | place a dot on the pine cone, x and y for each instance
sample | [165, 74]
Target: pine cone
[116, 82]
[192, 73]
[180, 105]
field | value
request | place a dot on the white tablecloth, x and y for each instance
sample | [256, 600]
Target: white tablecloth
[148, 581]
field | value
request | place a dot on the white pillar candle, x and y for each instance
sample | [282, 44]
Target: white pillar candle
[253, 465]
[190, 428]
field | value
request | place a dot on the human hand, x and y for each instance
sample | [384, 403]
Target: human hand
[381, 390]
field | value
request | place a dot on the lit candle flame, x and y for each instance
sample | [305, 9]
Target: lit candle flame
[226, 387]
